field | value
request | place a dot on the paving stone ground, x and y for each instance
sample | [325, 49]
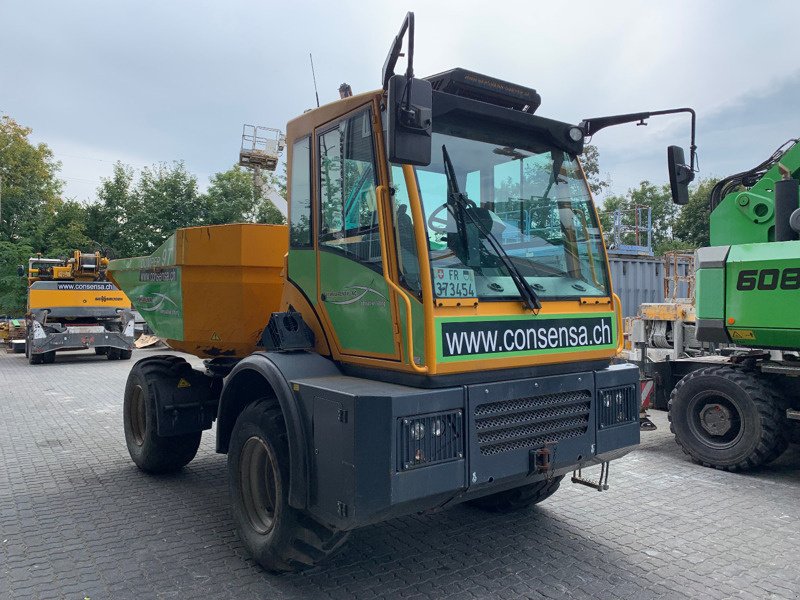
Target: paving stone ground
[77, 520]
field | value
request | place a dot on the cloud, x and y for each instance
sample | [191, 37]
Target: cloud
[175, 80]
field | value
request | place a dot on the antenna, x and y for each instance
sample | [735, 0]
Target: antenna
[314, 77]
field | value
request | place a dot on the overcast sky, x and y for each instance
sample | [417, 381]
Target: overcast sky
[147, 81]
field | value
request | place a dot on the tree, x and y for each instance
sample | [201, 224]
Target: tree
[590, 161]
[30, 196]
[67, 229]
[107, 219]
[12, 286]
[693, 226]
[30, 189]
[231, 197]
[165, 199]
[663, 214]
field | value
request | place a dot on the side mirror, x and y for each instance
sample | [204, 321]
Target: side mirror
[21, 271]
[680, 175]
[410, 123]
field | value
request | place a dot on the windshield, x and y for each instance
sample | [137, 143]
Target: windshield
[535, 204]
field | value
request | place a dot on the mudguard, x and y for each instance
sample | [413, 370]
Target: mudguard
[275, 370]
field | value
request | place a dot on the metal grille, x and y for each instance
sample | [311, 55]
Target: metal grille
[430, 439]
[531, 422]
[618, 405]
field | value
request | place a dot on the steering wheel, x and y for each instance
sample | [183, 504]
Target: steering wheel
[436, 222]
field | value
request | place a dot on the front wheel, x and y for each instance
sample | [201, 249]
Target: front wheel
[727, 419]
[519, 498]
[277, 536]
[153, 453]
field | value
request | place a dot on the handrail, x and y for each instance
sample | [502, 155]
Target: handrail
[383, 196]
[620, 333]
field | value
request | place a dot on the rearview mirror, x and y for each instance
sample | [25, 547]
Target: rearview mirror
[410, 123]
[680, 175]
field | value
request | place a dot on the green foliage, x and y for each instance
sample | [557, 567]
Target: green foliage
[674, 227]
[693, 224]
[590, 161]
[30, 190]
[231, 197]
[12, 286]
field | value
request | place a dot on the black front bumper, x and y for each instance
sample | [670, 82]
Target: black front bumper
[381, 450]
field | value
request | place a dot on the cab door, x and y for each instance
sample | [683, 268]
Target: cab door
[355, 299]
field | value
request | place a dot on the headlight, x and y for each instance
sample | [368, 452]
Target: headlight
[575, 134]
[430, 439]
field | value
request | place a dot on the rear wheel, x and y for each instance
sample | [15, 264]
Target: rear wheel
[277, 536]
[151, 452]
[35, 359]
[125, 354]
[49, 358]
[728, 419]
[100, 350]
[519, 498]
[113, 353]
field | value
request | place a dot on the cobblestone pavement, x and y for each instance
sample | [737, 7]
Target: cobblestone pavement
[77, 519]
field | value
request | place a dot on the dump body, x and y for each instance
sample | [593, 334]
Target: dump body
[208, 291]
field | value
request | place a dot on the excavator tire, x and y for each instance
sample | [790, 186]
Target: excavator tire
[518, 498]
[279, 537]
[112, 353]
[151, 452]
[100, 350]
[125, 354]
[728, 419]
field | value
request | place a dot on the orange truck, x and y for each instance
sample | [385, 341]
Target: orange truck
[436, 324]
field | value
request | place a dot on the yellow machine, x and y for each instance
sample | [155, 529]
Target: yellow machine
[436, 326]
[72, 306]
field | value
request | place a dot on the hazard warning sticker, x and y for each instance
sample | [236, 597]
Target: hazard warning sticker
[742, 334]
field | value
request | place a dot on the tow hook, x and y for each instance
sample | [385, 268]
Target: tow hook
[600, 485]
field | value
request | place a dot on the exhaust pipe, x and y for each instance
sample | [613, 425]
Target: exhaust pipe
[786, 203]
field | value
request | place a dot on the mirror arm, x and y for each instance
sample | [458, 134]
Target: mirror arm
[396, 47]
[592, 126]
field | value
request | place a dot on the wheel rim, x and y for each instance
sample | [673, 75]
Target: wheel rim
[257, 481]
[715, 420]
[138, 415]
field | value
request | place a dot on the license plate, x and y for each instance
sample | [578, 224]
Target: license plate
[454, 283]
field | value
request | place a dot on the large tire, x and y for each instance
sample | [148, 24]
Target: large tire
[125, 354]
[100, 350]
[728, 419]
[519, 498]
[49, 358]
[35, 359]
[277, 536]
[150, 452]
[113, 353]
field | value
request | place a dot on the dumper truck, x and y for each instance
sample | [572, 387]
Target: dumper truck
[72, 306]
[435, 325]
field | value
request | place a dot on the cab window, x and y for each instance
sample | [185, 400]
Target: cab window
[347, 182]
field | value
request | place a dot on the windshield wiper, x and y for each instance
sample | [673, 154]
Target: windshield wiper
[465, 206]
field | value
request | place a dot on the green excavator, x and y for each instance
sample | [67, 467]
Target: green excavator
[741, 410]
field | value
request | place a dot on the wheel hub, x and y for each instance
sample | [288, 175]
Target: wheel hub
[258, 485]
[138, 416]
[716, 419]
